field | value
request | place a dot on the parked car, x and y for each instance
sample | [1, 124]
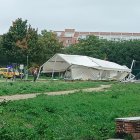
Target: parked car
[2, 71]
[10, 73]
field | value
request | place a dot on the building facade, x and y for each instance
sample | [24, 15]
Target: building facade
[70, 36]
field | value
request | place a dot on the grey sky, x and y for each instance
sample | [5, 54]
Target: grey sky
[82, 15]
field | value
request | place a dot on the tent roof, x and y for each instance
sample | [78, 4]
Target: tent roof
[83, 61]
[78, 60]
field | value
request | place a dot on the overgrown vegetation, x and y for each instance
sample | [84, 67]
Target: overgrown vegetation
[80, 116]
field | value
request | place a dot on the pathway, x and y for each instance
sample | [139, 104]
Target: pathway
[33, 95]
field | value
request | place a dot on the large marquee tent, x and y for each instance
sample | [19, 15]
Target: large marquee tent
[77, 67]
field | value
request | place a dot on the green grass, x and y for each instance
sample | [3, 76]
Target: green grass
[21, 87]
[80, 116]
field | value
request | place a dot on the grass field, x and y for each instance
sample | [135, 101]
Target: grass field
[21, 87]
[80, 116]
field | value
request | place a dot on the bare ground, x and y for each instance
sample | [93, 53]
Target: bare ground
[27, 96]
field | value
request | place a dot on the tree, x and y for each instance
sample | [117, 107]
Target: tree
[19, 42]
[91, 46]
[49, 45]
[121, 52]
[3, 58]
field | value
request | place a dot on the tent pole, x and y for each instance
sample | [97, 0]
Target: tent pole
[131, 77]
[39, 72]
[132, 64]
[54, 67]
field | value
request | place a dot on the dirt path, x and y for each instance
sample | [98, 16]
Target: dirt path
[27, 96]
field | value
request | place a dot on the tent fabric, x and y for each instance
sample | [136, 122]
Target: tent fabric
[85, 68]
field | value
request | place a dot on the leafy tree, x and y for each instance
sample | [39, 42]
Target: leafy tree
[3, 58]
[121, 52]
[34, 49]
[49, 45]
[19, 42]
[90, 47]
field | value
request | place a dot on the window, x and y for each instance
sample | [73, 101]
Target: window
[69, 34]
[82, 36]
[58, 33]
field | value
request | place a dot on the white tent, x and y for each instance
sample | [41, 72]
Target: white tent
[80, 67]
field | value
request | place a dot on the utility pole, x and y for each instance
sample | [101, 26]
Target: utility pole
[27, 68]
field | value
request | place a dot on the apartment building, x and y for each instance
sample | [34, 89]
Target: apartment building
[70, 36]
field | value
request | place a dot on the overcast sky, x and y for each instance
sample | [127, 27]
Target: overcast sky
[82, 15]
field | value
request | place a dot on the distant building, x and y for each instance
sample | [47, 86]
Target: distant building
[70, 36]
